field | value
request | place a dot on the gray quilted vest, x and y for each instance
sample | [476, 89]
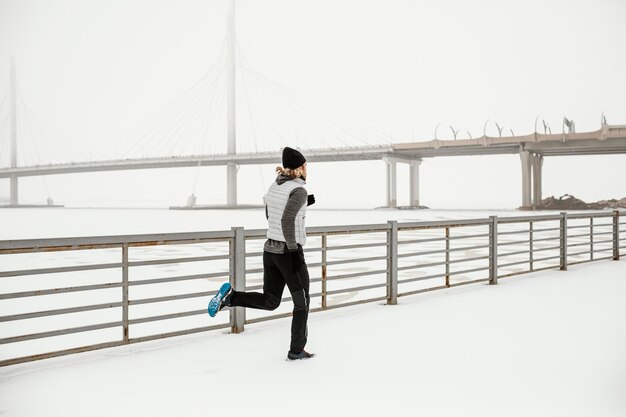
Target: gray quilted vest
[276, 200]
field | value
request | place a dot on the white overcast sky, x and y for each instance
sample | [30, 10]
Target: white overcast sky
[97, 69]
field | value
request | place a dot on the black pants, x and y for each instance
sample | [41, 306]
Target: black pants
[278, 271]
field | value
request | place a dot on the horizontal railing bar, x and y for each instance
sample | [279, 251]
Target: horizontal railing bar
[60, 290]
[362, 288]
[358, 228]
[587, 215]
[589, 260]
[544, 249]
[423, 290]
[601, 250]
[178, 278]
[442, 223]
[313, 264]
[442, 287]
[167, 316]
[589, 234]
[404, 268]
[578, 226]
[547, 258]
[179, 333]
[59, 311]
[327, 230]
[95, 242]
[48, 355]
[424, 278]
[60, 332]
[525, 261]
[356, 246]
[351, 303]
[548, 229]
[40, 271]
[588, 243]
[513, 232]
[178, 260]
[431, 252]
[434, 239]
[356, 260]
[519, 219]
[520, 242]
[584, 253]
[170, 298]
[543, 268]
[467, 271]
[254, 271]
[514, 253]
[356, 274]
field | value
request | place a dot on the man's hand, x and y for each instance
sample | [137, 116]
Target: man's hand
[310, 199]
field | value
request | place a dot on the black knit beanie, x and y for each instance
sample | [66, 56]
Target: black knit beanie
[292, 158]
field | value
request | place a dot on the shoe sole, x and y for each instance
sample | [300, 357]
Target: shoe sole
[299, 359]
[215, 302]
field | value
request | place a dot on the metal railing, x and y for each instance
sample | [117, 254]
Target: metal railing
[389, 261]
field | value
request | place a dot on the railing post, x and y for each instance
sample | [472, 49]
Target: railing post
[493, 250]
[392, 263]
[563, 241]
[447, 257]
[238, 277]
[324, 270]
[125, 291]
[530, 246]
[616, 235]
[591, 238]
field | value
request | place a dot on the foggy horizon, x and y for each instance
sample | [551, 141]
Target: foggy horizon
[96, 76]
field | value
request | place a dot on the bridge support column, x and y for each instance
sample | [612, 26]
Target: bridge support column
[231, 184]
[537, 162]
[14, 191]
[392, 199]
[526, 177]
[13, 128]
[414, 181]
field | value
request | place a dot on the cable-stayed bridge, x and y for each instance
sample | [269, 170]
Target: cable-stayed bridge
[257, 117]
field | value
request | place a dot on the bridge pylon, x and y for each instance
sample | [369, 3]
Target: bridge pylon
[391, 180]
[14, 200]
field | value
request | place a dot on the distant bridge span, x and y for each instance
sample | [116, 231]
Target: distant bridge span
[611, 139]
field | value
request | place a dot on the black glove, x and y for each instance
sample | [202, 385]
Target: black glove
[310, 199]
[296, 261]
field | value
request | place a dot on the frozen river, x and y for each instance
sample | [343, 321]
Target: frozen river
[31, 223]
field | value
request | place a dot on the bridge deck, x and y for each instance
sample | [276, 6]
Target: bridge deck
[609, 140]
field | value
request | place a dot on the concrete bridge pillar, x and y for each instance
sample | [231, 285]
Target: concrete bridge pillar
[231, 184]
[13, 128]
[537, 163]
[14, 200]
[526, 177]
[414, 173]
[392, 199]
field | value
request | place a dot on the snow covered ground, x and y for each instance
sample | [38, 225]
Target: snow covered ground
[550, 343]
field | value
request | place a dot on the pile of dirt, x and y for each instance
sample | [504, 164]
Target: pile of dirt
[569, 202]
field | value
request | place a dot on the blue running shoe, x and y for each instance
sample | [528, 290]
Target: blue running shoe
[220, 300]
